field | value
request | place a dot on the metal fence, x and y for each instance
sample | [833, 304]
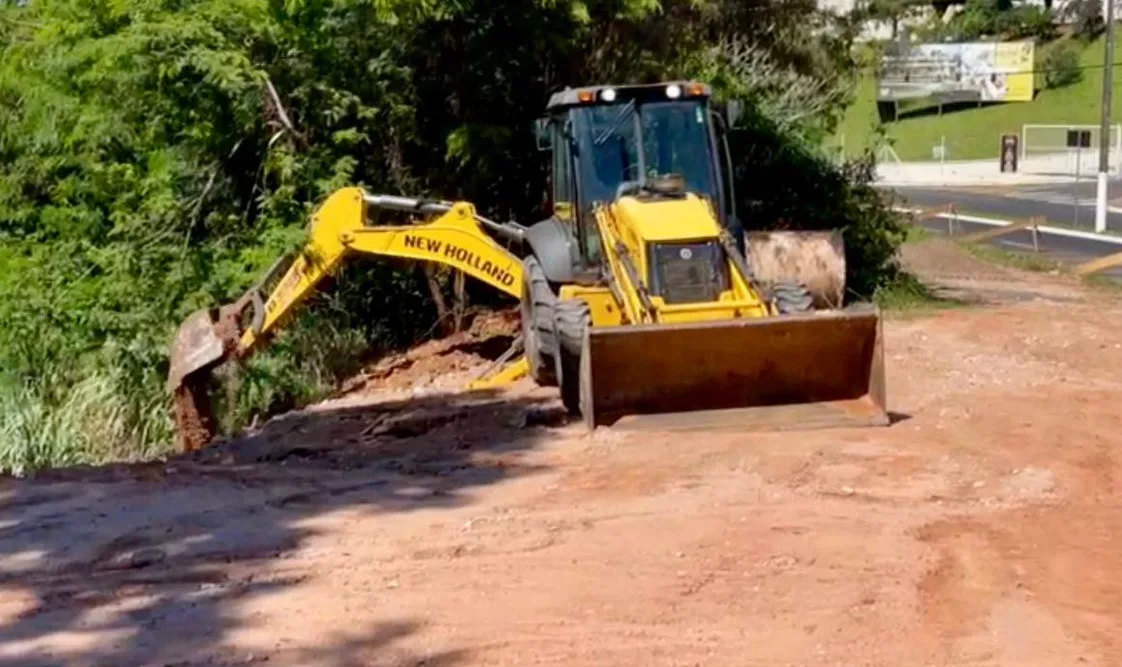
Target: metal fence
[1043, 149]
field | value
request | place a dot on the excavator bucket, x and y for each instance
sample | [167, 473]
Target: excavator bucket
[204, 340]
[821, 370]
[197, 346]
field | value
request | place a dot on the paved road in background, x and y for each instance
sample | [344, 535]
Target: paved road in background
[1067, 204]
[1069, 250]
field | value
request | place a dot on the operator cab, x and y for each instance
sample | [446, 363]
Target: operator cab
[646, 141]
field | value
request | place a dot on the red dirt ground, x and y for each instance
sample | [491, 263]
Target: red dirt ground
[405, 526]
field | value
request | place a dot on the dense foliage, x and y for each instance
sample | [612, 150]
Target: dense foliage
[991, 19]
[1061, 67]
[1086, 17]
[157, 155]
[891, 12]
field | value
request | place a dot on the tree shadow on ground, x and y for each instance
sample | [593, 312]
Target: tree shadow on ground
[147, 564]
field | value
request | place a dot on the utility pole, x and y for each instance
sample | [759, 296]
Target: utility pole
[1104, 129]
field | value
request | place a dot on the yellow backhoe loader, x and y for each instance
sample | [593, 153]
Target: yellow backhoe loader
[636, 298]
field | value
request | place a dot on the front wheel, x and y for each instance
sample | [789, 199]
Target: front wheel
[571, 318]
[538, 336]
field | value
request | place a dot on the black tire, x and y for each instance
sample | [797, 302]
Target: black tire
[792, 298]
[538, 336]
[571, 318]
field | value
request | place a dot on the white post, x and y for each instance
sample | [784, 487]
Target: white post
[1075, 190]
[1100, 203]
[943, 158]
[1104, 125]
[1118, 147]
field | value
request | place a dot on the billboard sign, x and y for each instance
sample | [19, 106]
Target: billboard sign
[959, 72]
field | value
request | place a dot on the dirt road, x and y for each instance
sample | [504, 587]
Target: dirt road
[982, 528]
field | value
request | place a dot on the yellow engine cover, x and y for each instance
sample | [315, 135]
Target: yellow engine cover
[632, 227]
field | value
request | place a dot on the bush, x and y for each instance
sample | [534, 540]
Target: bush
[52, 421]
[784, 182]
[1061, 67]
[1025, 21]
[995, 19]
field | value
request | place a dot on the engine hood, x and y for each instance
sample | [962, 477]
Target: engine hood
[661, 220]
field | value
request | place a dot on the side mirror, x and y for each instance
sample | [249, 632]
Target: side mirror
[733, 111]
[543, 135]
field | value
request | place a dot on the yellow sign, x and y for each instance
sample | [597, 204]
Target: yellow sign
[1013, 61]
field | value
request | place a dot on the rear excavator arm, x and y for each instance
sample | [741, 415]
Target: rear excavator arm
[451, 234]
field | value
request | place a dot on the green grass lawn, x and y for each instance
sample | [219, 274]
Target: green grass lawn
[974, 133]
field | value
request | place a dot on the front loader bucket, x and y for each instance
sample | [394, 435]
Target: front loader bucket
[786, 372]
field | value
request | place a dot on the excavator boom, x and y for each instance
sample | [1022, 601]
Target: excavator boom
[451, 234]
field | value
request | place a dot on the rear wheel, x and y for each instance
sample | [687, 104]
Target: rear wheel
[792, 298]
[572, 319]
[538, 336]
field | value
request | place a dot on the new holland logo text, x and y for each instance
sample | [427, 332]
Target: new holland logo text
[462, 256]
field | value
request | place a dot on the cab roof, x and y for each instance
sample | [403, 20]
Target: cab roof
[609, 94]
